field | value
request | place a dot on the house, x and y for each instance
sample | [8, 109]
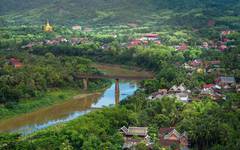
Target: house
[208, 86]
[132, 25]
[184, 97]
[178, 92]
[15, 63]
[150, 37]
[134, 136]
[88, 29]
[238, 88]
[61, 39]
[196, 63]
[222, 47]
[188, 67]
[205, 45]
[182, 47]
[31, 45]
[178, 89]
[159, 94]
[52, 42]
[75, 41]
[212, 91]
[225, 33]
[170, 137]
[226, 82]
[134, 43]
[214, 64]
[77, 27]
[211, 94]
[214, 87]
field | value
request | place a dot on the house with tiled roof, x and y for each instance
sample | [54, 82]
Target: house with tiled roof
[179, 89]
[238, 88]
[182, 47]
[170, 137]
[226, 82]
[196, 63]
[158, 95]
[16, 63]
[76, 27]
[135, 135]
[150, 37]
[179, 92]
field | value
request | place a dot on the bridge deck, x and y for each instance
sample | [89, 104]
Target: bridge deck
[123, 77]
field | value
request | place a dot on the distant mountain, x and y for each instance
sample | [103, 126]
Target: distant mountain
[108, 12]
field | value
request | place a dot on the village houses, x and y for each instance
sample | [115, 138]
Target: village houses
[145, 39]
[212, 91]
[180, 92]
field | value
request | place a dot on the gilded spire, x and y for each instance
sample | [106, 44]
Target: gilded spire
[47, 27]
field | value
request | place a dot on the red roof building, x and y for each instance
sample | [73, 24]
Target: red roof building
[196, 63]
[215, 62]
[222, 48]
[158, 42]
[152, 35]
[16, 63]
[182, 47]
[226, 32]
[171, 137]
[135, 42]
[208, 86]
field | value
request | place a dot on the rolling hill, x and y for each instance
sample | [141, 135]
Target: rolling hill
[111, 12]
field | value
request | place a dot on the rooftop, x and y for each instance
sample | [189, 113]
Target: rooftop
[139, 131]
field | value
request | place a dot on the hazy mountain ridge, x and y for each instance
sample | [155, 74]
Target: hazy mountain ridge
[68, 12]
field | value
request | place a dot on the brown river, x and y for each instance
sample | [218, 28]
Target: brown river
[71, 109]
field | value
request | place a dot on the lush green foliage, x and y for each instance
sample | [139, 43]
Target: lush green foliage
[209, 125]
[159, 12]
[40, 73]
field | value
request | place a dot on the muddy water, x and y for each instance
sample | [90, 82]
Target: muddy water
[64, 112]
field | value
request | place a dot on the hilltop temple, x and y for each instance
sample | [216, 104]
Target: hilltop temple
[47, 27]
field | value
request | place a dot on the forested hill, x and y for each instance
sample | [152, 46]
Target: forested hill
[92, 12]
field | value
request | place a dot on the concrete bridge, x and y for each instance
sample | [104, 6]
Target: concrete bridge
[86, 77]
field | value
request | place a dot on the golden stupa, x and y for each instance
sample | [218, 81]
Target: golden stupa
[47, 27]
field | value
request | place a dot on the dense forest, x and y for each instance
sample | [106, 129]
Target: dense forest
[111, 12]
[38, 74]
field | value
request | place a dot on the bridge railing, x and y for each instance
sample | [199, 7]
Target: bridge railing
[91, 76]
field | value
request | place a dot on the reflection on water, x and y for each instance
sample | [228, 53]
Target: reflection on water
[108, 97]
[67, 111]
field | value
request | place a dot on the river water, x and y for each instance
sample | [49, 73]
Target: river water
[64, 112]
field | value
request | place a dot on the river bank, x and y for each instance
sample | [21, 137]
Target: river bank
[62, 105]
[66, 111]
[29, 105]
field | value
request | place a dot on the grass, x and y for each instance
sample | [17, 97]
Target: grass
[29, 105]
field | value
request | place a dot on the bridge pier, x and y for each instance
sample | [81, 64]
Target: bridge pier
[117, 92]
[85, 83]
